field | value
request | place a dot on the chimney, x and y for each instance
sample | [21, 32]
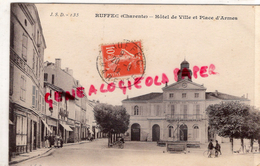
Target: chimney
[247, 95]
[216, 93]
[58, 62]
[166, 84]
[67, 69]
[70, 71]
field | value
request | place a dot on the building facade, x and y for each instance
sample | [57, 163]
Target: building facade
[93, 130]
[74, 105]
[26, 95]
[176, 114]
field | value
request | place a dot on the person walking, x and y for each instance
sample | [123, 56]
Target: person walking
[217, 149]
[122, 140]
[51, 139]
[210, 149]
[46, 141]
[61, 142]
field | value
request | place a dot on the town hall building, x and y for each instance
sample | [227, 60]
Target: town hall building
[176, 114]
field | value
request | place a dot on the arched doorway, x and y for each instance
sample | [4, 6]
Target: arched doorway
[196, 133]
[183, 132]
[135, 132]
[156, 132]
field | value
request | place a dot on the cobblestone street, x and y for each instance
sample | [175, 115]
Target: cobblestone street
[137, 153]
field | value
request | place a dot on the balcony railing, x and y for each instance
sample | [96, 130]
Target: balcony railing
[183, 117]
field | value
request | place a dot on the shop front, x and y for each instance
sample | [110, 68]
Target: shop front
[24, 130]
[71, 137]
[21, 136]
[77, 131]
[53, 125]
[64, 130]
[45, 131]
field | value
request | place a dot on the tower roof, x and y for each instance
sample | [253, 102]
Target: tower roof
[184, 62]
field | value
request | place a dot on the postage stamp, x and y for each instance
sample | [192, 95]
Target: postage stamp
[123, 60]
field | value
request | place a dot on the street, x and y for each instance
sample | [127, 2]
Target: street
[135, 153]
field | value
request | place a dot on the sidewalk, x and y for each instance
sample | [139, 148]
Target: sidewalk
[38, 153]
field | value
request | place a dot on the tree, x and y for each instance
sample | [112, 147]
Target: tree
[228, 119]
[111, 119]
[253, 126]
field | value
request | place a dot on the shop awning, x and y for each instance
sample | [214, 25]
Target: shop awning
[66, 127]
[48, 128]
[10, 122]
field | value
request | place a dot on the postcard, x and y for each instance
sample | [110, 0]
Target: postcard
[133, 84]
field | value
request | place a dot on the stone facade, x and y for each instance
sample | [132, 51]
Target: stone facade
[176, 114]
[26, 95]
[63, 79]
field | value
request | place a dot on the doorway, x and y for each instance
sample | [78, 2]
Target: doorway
[135, 132]
[156, 132]
[183, 132]
[34, 135]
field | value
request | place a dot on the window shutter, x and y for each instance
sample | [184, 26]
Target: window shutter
[36, 99]
[24, 47]
[33, 95]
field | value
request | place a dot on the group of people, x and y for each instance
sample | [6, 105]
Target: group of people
[53, 140]
[211, 149]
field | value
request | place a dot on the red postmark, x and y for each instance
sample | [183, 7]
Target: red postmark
[122, 59]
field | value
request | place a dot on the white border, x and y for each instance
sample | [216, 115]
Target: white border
[4, 47]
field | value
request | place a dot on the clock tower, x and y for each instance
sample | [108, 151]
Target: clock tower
[184, 72]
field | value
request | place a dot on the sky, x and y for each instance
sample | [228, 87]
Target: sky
[228, 44]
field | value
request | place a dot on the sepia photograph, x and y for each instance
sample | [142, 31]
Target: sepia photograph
[133, 84]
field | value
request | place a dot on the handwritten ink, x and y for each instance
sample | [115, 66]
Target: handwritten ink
[92, 89]
[203, 70]
[137, 82]
[48, 101]
[156, 81]
[148, 81]
[211, 69]
[102, 90]
[80, 92]
[57, 96]
[164, 78]
[121, 86]
[70, 96]
[195, 70]
[129, 85]
[175, 73]
[111, 87]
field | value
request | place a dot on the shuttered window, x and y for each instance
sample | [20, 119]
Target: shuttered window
[24, 47]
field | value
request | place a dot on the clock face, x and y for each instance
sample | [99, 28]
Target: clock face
[184, 85]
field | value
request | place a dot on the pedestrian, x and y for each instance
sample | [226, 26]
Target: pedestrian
[56, 141]
[217, 149]
[61, 142]
[46, 141]
[51, 138]
[210, 149]
[122, 140]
